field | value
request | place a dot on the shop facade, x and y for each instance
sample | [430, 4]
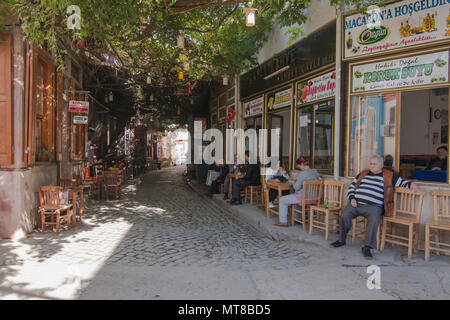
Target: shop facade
[396, 91]
[279, 82]
[40, 140]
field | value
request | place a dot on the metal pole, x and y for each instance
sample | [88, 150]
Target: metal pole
[337, 97]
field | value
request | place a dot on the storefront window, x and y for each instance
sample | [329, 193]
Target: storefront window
[372, 129]
[280, 121]
[424, 130]
[253, 123]
[323, 144]
[315, 134]
[305, 130]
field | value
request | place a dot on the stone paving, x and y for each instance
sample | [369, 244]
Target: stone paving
[165, 241]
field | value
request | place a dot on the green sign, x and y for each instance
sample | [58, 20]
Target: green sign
[369, 36]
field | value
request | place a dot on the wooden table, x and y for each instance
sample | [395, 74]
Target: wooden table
[234, 176]
[73, 195]
[280, 187]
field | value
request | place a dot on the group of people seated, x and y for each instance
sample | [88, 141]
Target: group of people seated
[252, 177]
[366, 194]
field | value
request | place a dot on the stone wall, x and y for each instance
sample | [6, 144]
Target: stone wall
[18, 198]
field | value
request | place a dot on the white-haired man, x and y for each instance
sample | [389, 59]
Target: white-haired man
[366, 197]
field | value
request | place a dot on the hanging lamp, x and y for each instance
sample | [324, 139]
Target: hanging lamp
[180, 75]
[225, 80]
[250, 14]
[111, 97]
[149, 80]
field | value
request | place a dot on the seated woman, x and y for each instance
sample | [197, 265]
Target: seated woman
[296, 198]
[279, 175]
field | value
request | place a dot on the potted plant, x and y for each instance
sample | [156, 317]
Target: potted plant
[45, 154]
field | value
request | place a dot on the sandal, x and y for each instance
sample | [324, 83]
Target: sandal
[281, 224]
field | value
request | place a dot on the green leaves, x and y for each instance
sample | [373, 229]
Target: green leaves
[142, 35]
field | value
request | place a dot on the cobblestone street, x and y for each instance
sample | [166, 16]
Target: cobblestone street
[165, 241]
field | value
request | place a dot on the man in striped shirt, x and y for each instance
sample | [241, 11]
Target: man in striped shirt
[368, 201]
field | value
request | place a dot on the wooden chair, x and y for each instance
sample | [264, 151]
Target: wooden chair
[441, 221]
[311, 192]
[50, 207]
[67, 183]
[111, 182]
[253, 192]
[405, 213]
[333, 193]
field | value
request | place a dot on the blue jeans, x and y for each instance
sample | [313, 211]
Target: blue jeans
[285, 202]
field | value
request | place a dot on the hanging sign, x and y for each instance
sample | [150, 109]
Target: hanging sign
[80, 119]
[279, 100]
[399, 73]
[398, 25]
[318, 88]
[79, 106]
[254, 107]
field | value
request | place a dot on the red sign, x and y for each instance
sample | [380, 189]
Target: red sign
[230, 115]
[79, 106]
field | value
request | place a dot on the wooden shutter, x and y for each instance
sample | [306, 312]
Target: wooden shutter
[6, 103]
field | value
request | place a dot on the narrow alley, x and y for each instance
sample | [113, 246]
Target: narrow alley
[163, 240]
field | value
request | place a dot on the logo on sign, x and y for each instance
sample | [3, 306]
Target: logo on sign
[373, 35]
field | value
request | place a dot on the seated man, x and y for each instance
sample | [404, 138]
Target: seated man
[252, 177]
[366, 198]
[223, 169]
[439, 163]
[236, 168]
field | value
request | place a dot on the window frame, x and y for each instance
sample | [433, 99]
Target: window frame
[398, 92]
[49, 70]
[298, 109]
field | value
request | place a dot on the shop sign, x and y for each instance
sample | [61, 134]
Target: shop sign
[254, 107]
[413, 71]
[318, 88]
[80, 119]
[279, 100]
[398, 25]
[79, 106]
